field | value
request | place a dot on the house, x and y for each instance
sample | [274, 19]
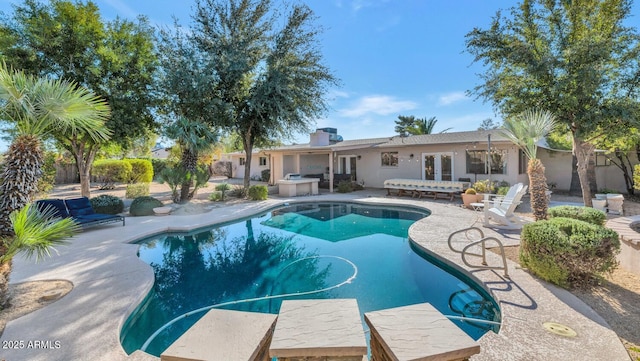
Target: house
[474, 155]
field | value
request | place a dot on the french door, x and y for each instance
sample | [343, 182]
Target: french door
[437, 166]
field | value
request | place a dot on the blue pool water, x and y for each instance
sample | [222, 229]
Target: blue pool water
[345, 250]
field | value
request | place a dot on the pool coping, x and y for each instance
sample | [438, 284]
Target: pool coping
[110, 281]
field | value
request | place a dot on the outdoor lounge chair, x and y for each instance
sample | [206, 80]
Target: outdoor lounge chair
[501, 210]
[80, 210]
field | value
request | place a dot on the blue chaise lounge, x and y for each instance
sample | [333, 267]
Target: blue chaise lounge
[80, 210]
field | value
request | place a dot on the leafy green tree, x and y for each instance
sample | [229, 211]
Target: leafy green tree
[488, 124]
[37, 107]
[116, 60]
[35, 233]
[619, 148]
[269, 82]
[525, 131]
[574, 58]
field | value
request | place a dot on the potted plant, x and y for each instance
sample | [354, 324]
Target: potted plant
[482, 187]
[469, 196]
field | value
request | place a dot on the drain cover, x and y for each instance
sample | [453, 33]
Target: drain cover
[559, 329]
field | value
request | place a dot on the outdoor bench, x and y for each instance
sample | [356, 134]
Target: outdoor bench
[78, 209]
[419, 187]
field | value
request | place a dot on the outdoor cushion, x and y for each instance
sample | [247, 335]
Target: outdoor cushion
[79, 206]
[97, 218]
[60, 210]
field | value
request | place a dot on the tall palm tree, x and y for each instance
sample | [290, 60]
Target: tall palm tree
[525, 130]
[193, 137]
[36, 233]
[39, 108]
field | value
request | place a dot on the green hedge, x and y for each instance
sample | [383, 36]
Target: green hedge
[141, 171]
[568, 252]
[587, 214]
[111, 170]
[143, 206]
[137, 190]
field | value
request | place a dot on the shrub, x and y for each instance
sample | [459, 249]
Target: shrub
[141, 171]
[107, 204]
[483, 186]
[137, 190]
[215, 196]
[265, 175]
[223, 188]
[110, 171]
[587, 214]
[258, 193]
[608, 191]
[470, 191]
[344, 187]
[48, 178]
[143, 206]
[568, 252]
[502, 191]
[238, 192]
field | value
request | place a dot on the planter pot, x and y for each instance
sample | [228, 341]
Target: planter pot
[614, 203]
[467, 199]
[599, 204]
[601, 196]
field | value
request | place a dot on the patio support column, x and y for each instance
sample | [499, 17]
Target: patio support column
[330, 171]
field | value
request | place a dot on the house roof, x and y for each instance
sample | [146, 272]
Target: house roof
[478, 136]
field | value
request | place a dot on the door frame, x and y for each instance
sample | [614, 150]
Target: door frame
[437, 164]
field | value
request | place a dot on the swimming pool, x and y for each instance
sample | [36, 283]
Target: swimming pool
[307, 250]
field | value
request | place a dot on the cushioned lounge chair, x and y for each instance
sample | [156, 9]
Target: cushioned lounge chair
[80, 210]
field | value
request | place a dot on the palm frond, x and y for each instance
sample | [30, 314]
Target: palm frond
[526, 129]
[37, 233]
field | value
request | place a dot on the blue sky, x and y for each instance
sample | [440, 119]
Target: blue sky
[393, 57]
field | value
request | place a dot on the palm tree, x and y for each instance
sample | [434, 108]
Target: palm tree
[36, 233]
[424, 126]
[40, 108]
[525, 130]
[193, 137]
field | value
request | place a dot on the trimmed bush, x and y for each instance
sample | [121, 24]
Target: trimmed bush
[587, 214]
[143, 206]
[258, 193]
[107, 204]
[568, 252]
[502, 191]
[265, 175]
[345, 187]
[137, 190]
[470, 191]
[110, 171]
[141, 171]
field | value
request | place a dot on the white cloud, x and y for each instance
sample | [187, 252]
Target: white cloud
[451, 98]
[377, 104]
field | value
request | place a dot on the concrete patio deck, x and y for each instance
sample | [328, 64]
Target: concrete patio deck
[110, 281]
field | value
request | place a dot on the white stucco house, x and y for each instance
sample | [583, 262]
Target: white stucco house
[470, 155]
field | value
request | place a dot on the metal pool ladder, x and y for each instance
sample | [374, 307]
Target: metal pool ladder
[482, 242]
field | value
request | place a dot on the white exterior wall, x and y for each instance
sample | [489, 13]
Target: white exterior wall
[370, 170]
[237, 170]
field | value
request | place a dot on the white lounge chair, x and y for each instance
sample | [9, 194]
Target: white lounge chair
[501, 210]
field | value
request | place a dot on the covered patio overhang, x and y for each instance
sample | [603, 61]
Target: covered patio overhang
[291, 160]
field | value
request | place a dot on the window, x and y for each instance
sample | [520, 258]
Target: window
[523, 162]
[263, 161]
[389, 159]
[242, 161]
[602, 160]
[478, 162]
